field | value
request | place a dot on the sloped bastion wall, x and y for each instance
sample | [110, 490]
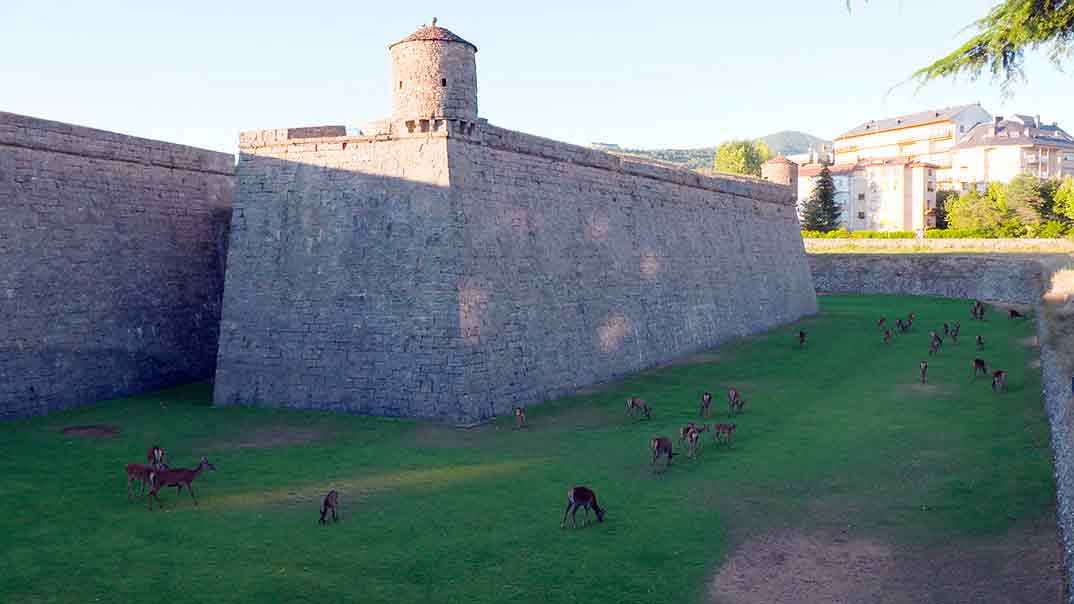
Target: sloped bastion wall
[457, 273]
[111, 268]
[1045, 282]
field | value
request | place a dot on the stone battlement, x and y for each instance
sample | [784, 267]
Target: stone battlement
[284, 142]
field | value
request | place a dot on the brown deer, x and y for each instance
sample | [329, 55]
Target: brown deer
[723, 432]
[802, 339]
[909, 323]
[980, 343]
[979, 366]
[734, 402]
[635, 405]
[520, 420]
[706, 402]
[924, 366]
[693, 440]
[684, 431]
[881, 322]
[934, 348]
[999, 380]
[136, 471]
[581, 497]
[661, 445]
[1014, 314]
[900, 325]
[155, 457]
[330, 503]
[178, 477]
[887, 336]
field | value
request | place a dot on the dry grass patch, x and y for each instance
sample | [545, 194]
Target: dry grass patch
[267, 438]
[93, 431]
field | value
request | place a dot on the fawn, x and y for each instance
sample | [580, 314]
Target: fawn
[331, 502]
[999, 380]
[636, 405]
[661, 445]
[520, 420]
[802, 339]
[734, 402]
[581, 497]
[136, 471]
[980, 343]
[178, 477]
[887, 336]
[979, 366]
[924, 366]
[706, 402]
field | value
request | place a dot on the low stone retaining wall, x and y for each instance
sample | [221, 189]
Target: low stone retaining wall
[1056, 246]
[1039, 281]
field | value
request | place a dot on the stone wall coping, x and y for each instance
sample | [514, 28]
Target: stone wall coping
[28, 132]
[279, 140]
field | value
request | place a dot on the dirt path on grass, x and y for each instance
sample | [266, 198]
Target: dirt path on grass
[836, 566]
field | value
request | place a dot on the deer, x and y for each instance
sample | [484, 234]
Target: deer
[910, 322]
[980, 343]
[924, 367]
[999, 380]
[520, 420]
[734, 402]
[887, 336]
[330, 503]
[880, 324]
[723, 432]
[706, 402]
[581, 497]
[693, 439]
[934, 348]
[176, 478]
[155, 457]
[900, 325]
[635, 405]
[139, 472]
[684, 432]
[978, 310]
[661, 445]
[979, 366]
[802, 339]
[954, 333]
[1014, 314]
[910, 317]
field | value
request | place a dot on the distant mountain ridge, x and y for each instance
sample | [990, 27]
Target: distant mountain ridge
[787, 142]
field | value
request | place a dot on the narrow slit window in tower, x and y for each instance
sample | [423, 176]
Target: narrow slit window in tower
[443, 81]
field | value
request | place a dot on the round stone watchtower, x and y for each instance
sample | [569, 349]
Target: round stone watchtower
[781, 170]
[434, 76]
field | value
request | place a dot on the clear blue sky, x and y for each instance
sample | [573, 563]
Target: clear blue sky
[640, 74]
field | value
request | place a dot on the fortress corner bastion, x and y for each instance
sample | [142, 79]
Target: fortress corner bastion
[434, 265]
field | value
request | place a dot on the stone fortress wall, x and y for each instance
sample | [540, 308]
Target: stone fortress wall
[1046, 282]
[110, 263]
[457, 273]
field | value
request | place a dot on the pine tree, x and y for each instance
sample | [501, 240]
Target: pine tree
[820, 212]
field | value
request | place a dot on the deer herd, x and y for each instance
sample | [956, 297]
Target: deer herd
[156, 474]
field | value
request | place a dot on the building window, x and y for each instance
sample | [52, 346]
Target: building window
[400, 84]
[443, 81]
[861, 196]
[861, 215]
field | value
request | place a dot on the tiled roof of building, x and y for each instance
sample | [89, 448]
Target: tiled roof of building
[903, 121]
[779, 159]
[434, 32]
[844, 169]
[1018, 130]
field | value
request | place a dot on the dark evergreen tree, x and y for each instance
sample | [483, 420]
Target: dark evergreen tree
[820, 212]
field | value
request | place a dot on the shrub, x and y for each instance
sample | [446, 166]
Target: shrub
[845, 234]
[959, 234]
[1052, 229]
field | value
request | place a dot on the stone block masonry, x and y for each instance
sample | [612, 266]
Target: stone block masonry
[111, 268]
[457, 273]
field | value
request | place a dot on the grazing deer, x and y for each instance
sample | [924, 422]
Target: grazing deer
[581, 497]
[999, 381]
[520, 420]
[661, 445]
[635, 405]
[900, 325]
[881, 322]
[684, 431]
[980, 343]
[734, 402]
[801, 339]
[136, 471]
[1014, 314]
[887, 336]
[706, 402]
[331, 502]
[934, 348]
[723, 432]
[924, 366]
[178, 477]
[155, 457]
[979, 367]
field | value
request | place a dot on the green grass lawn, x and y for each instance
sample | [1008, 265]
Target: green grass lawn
[840, 434]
